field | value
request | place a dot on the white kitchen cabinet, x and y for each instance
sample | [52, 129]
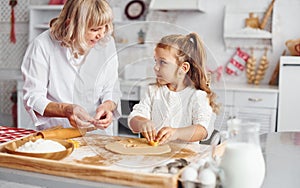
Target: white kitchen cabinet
[289, 101]
[249, 103]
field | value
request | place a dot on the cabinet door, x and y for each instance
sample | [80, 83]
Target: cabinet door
[265, 117]
[289, 93]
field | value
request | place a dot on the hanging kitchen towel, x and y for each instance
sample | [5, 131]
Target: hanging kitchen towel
[237, 63]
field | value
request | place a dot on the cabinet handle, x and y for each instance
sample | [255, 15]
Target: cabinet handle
[255, 99]
[292, 65]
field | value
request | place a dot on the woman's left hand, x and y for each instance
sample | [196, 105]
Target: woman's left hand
[166, 134]
[103, 119]
[104, 115]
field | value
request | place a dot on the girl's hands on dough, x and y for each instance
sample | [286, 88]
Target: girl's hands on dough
[148, 130]
[166, 134]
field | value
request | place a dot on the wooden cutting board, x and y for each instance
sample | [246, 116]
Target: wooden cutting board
[91, 161]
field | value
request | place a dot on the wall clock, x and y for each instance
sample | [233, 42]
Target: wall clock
[134, 9]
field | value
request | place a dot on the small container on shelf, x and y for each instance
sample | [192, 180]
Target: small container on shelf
[252, 21]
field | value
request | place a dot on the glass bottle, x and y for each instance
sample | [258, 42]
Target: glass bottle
[242, 163]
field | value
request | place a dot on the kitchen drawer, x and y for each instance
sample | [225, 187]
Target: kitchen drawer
[255, 99]
[130, 92]
[224, 97]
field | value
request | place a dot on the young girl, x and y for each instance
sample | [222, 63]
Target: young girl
[180, 106]
[71, 71]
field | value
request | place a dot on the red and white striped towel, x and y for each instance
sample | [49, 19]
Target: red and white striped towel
[11, 133]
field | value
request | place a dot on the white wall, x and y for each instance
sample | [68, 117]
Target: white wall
[209, 25]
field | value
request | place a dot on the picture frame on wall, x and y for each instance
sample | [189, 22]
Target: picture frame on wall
[135, 9]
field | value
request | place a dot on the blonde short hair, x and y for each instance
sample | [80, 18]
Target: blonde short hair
[76, 18]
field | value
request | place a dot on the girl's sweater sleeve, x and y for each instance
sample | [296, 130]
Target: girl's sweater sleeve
[144, 107]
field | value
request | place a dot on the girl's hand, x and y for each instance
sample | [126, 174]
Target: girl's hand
[103, 118]
[166, 134]
[148, 130]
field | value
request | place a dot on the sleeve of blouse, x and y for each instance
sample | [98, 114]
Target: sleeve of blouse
[143, 108]
[35, 74]
[112, 85]
[202, 112]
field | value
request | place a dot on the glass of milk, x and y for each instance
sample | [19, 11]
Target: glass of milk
[242, 163]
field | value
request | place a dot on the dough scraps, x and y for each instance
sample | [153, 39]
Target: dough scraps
[137, 146]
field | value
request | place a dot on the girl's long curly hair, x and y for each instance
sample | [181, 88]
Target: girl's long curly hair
[189, 48]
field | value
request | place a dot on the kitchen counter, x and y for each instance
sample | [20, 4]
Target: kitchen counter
[215, 86]
[281, 151]
[245, 87]
[91, 165]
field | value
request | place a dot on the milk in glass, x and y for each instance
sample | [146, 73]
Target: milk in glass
[242, 163]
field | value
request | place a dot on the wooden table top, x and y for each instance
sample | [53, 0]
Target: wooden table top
[91, 161]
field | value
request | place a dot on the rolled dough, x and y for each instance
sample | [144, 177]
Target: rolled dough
[137, 146]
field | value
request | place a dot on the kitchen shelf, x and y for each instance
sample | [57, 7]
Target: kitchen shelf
[236, 34]
[249, 35]
[46, 7]
[40, 17]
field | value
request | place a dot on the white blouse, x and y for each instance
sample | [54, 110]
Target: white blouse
[52, 74]
[175, 109]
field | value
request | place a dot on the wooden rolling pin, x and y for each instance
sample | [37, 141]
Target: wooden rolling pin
[267, 15]
[63, 133]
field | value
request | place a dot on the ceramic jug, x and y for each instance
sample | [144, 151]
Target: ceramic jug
[242, 163]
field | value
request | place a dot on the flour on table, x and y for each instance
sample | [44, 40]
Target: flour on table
[41, 146]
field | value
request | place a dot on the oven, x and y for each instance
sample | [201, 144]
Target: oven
[123, 129]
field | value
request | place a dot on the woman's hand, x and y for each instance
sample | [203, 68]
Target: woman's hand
[78, 116]
[103, 118]
[167, 134]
